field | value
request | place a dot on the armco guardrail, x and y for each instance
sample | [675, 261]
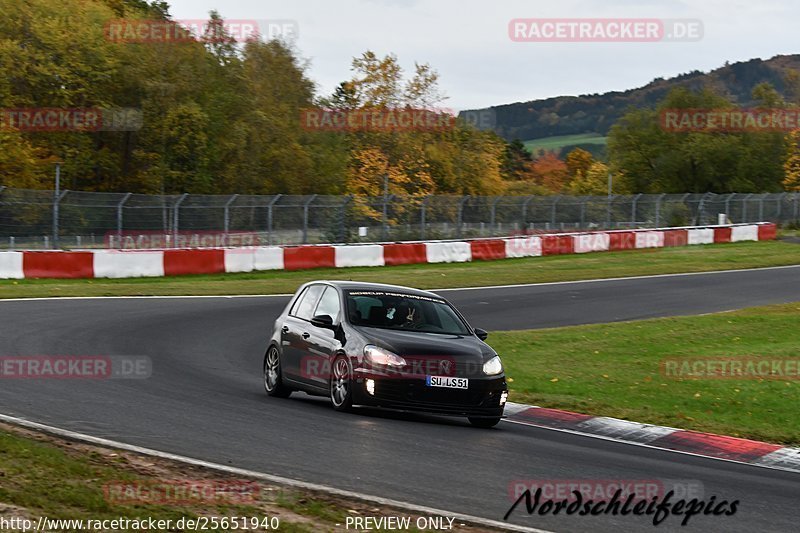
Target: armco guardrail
[143, 263]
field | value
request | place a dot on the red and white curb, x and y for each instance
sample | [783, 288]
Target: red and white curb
[678, 440]
[173, 262]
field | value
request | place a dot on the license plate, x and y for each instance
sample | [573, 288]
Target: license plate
[447, 382]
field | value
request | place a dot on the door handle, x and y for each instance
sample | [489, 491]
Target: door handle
[306, 334]
[285, 329]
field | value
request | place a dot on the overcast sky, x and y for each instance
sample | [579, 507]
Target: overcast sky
[467, 41]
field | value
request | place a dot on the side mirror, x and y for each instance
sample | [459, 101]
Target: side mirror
[481, 333]
[322, 321]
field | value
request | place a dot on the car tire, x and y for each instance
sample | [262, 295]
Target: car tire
[273, 375]
[341, 385]
[482, 422]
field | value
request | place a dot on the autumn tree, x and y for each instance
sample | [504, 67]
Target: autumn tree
[550, 172]
[791, 167]
[578, 162]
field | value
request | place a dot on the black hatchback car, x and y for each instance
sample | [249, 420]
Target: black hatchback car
[385, 346]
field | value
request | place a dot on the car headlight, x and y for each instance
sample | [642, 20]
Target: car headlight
[379, 356]
[493, 366]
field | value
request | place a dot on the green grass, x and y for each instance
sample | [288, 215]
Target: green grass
[557, 142]
[58, 479]
[613, 370]
[431, 276]
[46, 480]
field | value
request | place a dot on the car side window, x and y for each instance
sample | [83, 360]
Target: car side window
[329, 304]
[305, 307]
[296, 304]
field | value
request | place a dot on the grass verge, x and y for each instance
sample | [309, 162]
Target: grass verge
[431, 276]
[42, 475]
[614, 370]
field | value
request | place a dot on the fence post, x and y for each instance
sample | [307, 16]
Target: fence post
[744, 207]
[176, 218]
[779, 210]
[701, 208]
[305, 217]
[794, 198]
[269, 217]
[119, 218]
[633, 209]
[658, 208]
[226, 222]
[343, 217]
[609, 201]
[528, 200]
[728, 206]
[553, 210]
[761, 208]
[56, 200]
[493, 215]
[422, 217]
[460, 215]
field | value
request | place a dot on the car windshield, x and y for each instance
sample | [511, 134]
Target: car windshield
[401, 311]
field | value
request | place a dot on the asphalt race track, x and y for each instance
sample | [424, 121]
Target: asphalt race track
[205, 400]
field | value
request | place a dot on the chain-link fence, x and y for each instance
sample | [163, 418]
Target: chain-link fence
[31, 219]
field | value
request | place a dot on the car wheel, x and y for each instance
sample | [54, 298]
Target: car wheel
[341, 384]
[481, 422]
[273, 376]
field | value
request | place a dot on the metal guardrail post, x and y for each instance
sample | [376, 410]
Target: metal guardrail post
[119, 217]
[226, 214]
[176, 218]
[305, 217]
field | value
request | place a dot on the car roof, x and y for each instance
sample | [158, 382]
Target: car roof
[367, 286]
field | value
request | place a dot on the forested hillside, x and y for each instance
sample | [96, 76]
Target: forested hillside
[596, 113]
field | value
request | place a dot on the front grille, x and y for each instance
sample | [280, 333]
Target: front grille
[416, 392]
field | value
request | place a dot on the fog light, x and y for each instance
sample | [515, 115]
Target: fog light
[503, 397]
[371, 387]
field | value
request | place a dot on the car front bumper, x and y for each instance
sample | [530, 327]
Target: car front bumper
[485, 396]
